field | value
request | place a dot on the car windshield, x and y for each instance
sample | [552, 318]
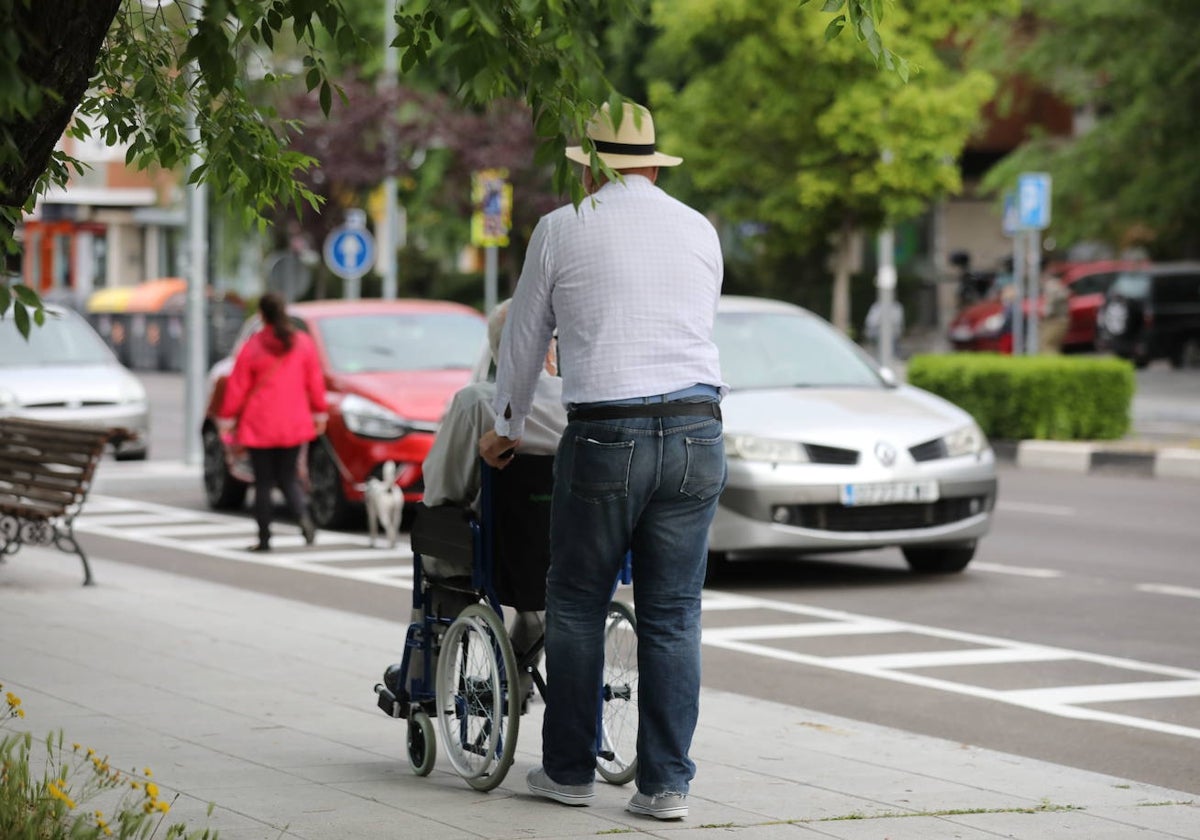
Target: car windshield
[784, 350]
[1131, 286]
[401, 341]
[64, 339]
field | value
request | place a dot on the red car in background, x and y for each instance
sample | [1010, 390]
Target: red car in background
[391, 368]
[986, 326]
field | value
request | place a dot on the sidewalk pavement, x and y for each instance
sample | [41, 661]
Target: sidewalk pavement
[264, 707]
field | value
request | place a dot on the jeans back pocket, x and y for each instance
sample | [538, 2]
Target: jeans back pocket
[704, 474]
[600, 471]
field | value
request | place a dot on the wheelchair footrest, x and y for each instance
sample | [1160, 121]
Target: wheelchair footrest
[388, 702]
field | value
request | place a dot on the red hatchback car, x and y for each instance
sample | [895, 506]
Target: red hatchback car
[985, 326]
[391, 368]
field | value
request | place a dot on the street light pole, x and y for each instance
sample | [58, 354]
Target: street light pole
[195, 361]
[388, 236]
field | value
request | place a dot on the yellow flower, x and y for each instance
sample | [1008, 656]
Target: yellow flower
[163, 805]
[136, 785]
[76, 747]
[146, 772]
[20, 713]
[13, 700]
[152, 790]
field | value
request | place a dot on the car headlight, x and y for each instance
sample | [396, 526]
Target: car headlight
[992, 324]
[131, 391]
[751, 448]
[968, 440]
[372, 420]
[8, 400]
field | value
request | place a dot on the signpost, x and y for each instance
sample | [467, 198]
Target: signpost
[1033, 216]
[1012, 229]
[350, 251]
[491, 194]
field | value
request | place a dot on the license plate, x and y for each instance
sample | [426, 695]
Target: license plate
[889, 493]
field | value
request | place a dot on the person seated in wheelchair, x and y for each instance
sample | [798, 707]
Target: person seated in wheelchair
[452, 477]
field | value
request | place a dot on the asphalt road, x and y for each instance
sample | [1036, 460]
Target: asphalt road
[1071, 638]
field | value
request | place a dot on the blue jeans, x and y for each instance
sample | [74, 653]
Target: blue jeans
[648, 484]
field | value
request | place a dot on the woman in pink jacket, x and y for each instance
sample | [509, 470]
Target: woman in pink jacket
[274, 402]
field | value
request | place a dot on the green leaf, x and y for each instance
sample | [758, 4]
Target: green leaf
[835, 27]
[832, 5]
[5, 299]
[326, 98]
[26, 296]
[21, 317]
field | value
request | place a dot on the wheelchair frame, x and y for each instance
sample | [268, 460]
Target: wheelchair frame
[478, 672]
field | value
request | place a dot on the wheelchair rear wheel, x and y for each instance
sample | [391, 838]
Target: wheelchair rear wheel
[479, 716]
[617, 758]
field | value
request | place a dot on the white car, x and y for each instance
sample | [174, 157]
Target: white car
[827, 452]
[65, 373]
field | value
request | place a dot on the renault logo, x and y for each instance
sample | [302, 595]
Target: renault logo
[886, 453]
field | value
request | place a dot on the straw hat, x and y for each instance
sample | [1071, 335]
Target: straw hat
[628, 147]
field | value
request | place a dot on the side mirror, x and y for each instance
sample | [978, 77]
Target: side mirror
[889, 377]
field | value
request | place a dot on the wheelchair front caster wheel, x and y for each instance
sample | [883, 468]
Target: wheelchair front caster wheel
[422, 746]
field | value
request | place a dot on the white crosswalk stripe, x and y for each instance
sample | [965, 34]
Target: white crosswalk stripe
[350, 556]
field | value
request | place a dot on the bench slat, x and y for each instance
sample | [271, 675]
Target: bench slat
[45, 472]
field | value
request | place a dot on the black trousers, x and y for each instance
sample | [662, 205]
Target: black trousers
[276, 467]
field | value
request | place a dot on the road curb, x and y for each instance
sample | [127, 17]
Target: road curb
[1092, 457]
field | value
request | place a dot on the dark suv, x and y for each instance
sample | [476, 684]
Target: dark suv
[1153, 313]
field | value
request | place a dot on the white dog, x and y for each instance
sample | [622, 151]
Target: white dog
[385, 504]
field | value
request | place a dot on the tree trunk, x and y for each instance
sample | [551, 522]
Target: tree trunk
[844, 261]
[60, 41]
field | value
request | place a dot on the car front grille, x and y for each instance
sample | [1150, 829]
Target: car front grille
[901, 517]
[830, 455]
[930, 450]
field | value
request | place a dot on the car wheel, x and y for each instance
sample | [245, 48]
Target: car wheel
[327, 504]
[939, 559]
[1187, 355]
[131, 454]
[221, 490]
[717, 569]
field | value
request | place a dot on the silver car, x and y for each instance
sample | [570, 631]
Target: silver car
[827, 452]
[65, 373]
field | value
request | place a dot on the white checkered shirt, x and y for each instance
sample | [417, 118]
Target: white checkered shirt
[631, 280]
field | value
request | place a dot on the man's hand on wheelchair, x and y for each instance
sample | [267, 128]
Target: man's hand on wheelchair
[496, 450]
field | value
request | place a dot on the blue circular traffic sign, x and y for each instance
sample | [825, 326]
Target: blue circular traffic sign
[349, 251]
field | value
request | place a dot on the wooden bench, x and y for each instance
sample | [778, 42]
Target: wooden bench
[46, 471]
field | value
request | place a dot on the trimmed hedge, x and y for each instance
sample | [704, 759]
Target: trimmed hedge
[1033, 397]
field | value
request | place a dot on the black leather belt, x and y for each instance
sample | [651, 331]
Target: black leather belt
[665, 409]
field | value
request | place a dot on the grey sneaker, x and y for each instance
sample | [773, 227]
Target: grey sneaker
[661, 806]
[542, 785]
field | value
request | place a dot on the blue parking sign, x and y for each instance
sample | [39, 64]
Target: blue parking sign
[1033, 200]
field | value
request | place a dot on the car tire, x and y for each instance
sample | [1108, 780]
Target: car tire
[131, 454]
[221, 490]
[717, 569]
[327, 503]
[1187, 354]
[939, 559]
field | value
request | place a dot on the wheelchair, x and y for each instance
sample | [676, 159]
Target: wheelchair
[479, 687]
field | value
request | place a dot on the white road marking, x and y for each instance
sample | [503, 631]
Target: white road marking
[1022, 571]
[947, 658]
[1110, 693]
[1031, 507]
[178, 529]
[798, 631]
[1168, 589]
